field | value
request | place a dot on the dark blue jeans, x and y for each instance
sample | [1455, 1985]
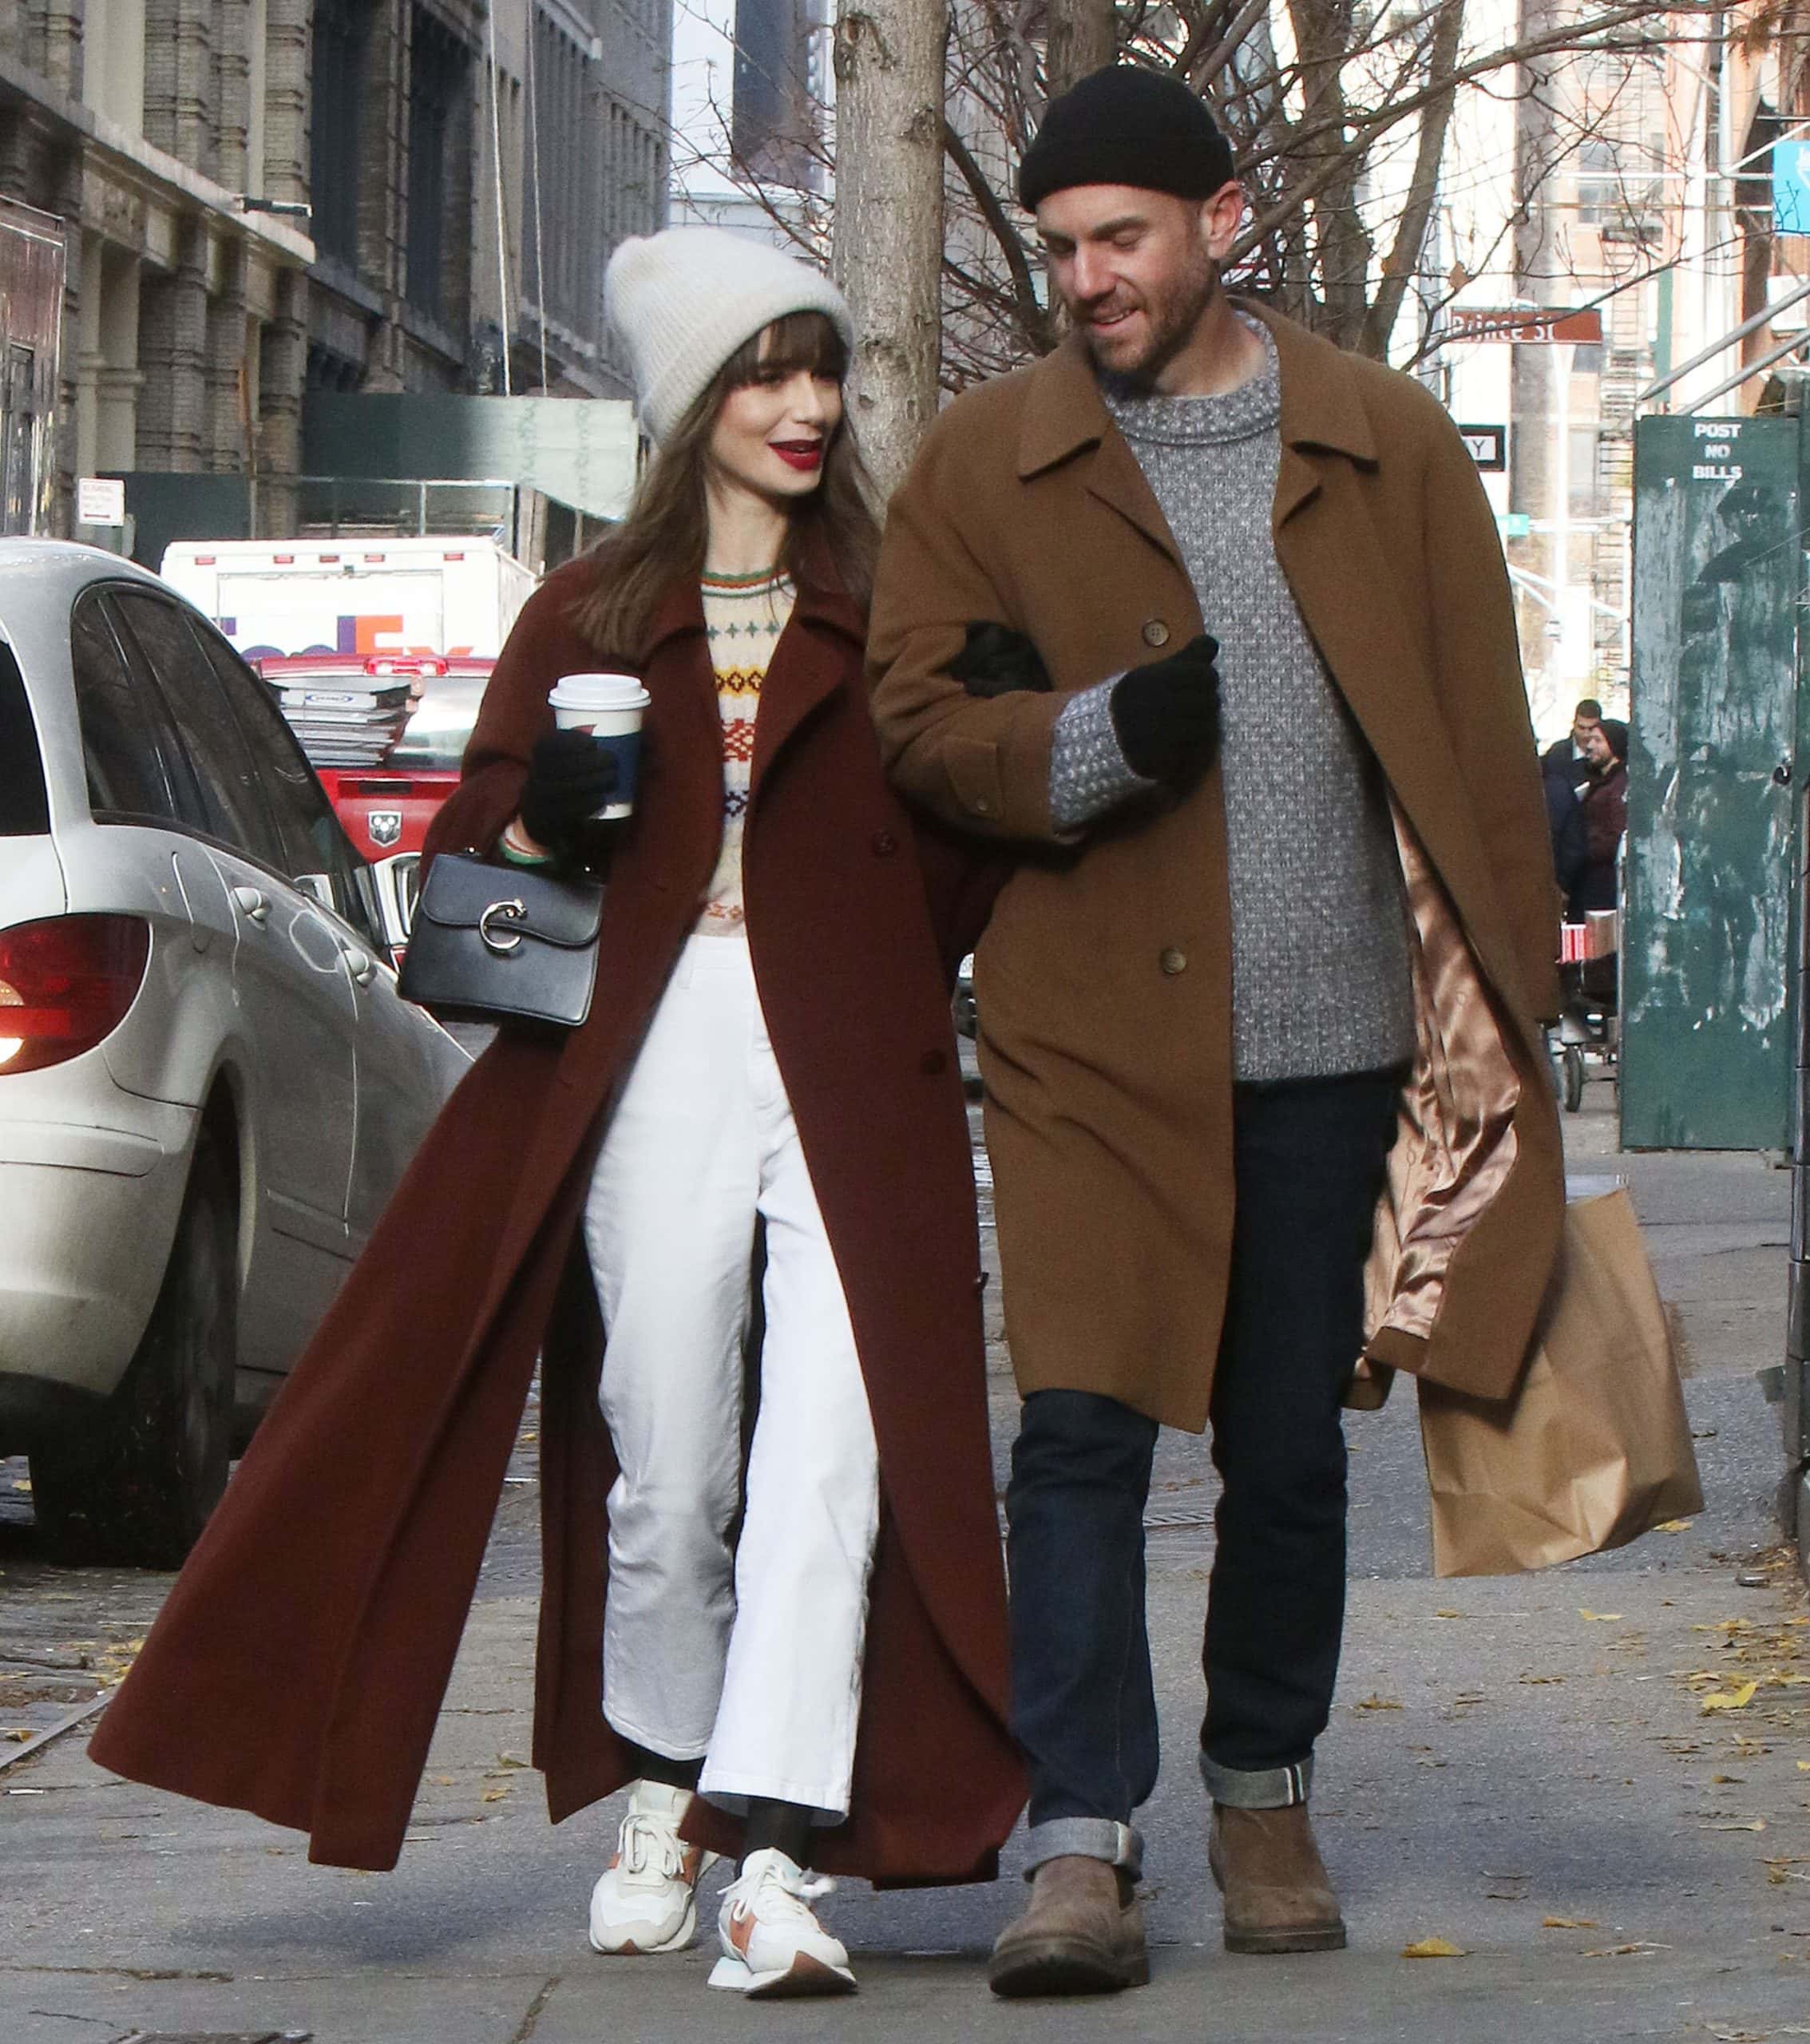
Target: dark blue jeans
[1309, 1157]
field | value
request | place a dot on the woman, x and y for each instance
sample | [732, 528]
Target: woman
[1603, 807]
[768, 1056]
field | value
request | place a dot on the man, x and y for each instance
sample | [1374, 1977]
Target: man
[1198, 994]
[1571, 756]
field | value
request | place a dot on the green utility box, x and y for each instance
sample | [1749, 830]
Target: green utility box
[1707, 1038]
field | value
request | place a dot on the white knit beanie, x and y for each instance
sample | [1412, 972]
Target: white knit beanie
[684, 301]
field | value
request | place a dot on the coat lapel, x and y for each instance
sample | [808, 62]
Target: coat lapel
[1332, 557]
[1065, 418]
[819, 649]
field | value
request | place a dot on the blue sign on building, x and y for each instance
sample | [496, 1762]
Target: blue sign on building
[1791, 188]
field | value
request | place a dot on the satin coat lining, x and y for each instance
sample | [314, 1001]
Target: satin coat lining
[1455, 1145]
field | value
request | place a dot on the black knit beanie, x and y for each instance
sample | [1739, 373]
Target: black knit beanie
[1126, 125]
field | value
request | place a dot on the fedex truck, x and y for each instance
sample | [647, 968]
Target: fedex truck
[450, 597]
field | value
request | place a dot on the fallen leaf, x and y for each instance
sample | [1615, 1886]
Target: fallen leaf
[1674, 1526]
[1803, 1767]
[1434, 1948]
[1537, 1681]
[23, 1484]
[494, 1795]
[1726, 1780]
[509, 1760]
[1568, 1923]
[442, 1780]
[1758, 1824]
[1600, 1617]
[19, 1734]
[1626, 1951]
[1376, 1703]
[1735, 1699]
[1448, 1614]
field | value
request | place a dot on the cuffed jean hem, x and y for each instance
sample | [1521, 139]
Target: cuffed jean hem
[1119, 1845]
[1258, 1788]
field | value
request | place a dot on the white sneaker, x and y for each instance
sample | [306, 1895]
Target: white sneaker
[772, 1943]
[647, 1899]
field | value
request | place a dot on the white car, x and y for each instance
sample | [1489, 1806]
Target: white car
[209, 1085]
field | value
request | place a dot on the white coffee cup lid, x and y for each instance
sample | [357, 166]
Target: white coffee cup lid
[599, 691]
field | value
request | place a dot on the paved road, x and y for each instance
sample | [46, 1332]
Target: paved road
[1522, 1767]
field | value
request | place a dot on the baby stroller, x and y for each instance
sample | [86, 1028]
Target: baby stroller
[1589, 1022]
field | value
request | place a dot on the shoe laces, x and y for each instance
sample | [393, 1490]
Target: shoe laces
[649, 1845]
[788, 1895]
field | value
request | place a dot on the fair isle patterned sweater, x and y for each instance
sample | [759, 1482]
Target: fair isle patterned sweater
[744, 616]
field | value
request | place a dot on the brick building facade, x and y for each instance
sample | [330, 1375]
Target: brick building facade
[195, 322]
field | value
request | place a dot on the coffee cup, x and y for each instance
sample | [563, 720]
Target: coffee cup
[610, 706]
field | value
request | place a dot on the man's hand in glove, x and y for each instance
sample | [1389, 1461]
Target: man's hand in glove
[1166, 715]
[998, 661]
[570, 777]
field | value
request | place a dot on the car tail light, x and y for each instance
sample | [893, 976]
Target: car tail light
[65, 984]
[399, 664]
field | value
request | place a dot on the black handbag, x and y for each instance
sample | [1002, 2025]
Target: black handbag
[503, 944]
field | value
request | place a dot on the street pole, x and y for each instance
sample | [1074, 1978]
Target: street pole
[1796, 1409]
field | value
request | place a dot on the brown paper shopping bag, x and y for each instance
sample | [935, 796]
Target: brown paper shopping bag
[1593, 1449]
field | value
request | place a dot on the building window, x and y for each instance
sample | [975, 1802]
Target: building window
[437, 66]
[336, 117]
[1618, 191]
[773, 123]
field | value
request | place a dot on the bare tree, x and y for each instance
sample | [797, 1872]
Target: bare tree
[1082, 36]
[1328, 104]
[888, 248]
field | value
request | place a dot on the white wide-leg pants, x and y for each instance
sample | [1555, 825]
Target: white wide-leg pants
[746, 1655]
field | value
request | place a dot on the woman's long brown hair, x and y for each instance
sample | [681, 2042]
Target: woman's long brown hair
[661, 540]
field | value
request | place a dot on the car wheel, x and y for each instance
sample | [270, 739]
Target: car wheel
[138, 1486]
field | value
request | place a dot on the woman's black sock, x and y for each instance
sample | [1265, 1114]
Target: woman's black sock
[656, 1767]
[786, 1826]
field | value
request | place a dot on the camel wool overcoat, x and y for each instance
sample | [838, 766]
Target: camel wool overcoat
[299, 1663]
[1103, 980]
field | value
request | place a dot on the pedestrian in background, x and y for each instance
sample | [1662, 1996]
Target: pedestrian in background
[768, 1061]
[1570, 755]
[1210, 620]
[1602, 810]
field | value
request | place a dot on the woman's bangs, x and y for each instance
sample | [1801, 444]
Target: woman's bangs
[796, 340]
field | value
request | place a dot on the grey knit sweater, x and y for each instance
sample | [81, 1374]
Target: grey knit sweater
[1320, 970]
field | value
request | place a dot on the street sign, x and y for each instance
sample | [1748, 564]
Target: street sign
[1515, 524]
[1487, 446]
[1512, 324]
[1791, 188]
[100, 501]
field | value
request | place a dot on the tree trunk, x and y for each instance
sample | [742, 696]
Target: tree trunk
[1083, 37]
[888, 248]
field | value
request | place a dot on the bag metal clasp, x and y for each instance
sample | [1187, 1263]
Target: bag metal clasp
[510, 911]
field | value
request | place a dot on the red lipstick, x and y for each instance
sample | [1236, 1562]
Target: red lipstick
[803, 454]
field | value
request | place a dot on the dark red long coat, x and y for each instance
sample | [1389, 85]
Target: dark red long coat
[299, 1665]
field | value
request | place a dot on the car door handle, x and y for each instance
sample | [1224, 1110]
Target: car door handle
[251, 903]
[361, 965]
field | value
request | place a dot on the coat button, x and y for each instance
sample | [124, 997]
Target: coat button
[981, 807]
[885, 843]
[1174, 961]
[1156, 633]
[933, 1063]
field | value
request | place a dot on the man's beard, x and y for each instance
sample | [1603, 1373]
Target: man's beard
[1174, 319]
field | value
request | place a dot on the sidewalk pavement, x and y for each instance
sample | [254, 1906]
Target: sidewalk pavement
[1567, 1777]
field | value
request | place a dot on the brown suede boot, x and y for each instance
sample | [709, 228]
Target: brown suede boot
[1084, 1934]
[1278, 1894]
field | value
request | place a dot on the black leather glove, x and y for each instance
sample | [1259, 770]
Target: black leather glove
[1166, 714]
[997, 661]
[569, 777]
